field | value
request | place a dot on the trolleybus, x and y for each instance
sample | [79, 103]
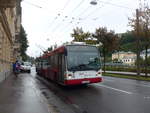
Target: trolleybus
[71, 64]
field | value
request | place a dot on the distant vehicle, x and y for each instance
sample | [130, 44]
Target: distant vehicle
[72, 64]
[25, 67]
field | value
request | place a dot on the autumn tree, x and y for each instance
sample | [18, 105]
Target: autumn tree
[108, 39]
[141, 27]
[79, 35]
[145, 25]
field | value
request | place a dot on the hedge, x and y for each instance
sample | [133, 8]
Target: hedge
[125, 69]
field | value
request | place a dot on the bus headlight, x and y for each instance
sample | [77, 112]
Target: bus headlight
[99, 73]
[69, 75]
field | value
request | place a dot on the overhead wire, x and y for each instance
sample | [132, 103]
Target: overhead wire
[30, 3]
[59, 13]
[84, 11]
[57, 16]
[62, 11]
[92, 12]
[104, 2]
[116, 5]
[66, 4]
[75, 8]
[77, 17]
[107, 3]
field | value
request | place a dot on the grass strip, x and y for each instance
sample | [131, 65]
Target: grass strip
[128, 76]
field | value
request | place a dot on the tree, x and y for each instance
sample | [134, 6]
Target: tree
[145, 24]
[55, 46]
[23, 44]
[108, 39]
[48, 49]
[127, 42]
[134, 23]
[127, 37]
[79, 35]
[141, 27]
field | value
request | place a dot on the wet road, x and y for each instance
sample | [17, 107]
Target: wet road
[114, 95]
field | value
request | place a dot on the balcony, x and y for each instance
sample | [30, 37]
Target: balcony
[8, 3]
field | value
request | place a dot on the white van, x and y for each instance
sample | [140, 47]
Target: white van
[25, 67]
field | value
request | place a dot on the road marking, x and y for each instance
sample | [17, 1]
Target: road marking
[113, 80]
[146, 97]
[108, 80]
[143, 85]
[114, 89]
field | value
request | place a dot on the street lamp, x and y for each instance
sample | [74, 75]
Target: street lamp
[93, 2]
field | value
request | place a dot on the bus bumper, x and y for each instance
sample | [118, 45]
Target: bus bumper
[83, 81]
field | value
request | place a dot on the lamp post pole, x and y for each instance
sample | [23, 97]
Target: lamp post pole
[138, 42]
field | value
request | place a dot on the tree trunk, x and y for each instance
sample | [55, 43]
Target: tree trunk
[138, 43]
[104, 53]
[146, 47]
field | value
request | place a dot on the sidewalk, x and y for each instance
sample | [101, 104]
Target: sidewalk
[21, 95]
[126, 73]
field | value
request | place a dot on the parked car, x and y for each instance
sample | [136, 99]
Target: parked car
[25, 67]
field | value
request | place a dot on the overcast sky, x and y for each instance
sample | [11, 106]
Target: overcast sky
[47, 22]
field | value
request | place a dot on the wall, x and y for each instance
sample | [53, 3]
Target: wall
[10, 22]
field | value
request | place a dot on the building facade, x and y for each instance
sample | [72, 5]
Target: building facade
[143, 54]
[10, 22]
[125, 57]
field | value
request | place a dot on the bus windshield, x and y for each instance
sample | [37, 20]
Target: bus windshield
[80, 58]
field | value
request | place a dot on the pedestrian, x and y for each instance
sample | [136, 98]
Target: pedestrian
[16, 68]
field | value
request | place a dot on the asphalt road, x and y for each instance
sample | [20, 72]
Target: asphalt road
[113, 95]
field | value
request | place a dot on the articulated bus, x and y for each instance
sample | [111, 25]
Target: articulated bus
[72, 64]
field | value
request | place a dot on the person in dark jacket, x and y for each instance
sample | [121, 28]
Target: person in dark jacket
[16, 68]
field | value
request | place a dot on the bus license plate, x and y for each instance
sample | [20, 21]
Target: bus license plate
[84, 82]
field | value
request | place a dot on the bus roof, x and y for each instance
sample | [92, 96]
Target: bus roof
[61, 49]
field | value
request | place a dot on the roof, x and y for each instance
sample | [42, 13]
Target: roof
[144, 51]
[129, 57]
[123, 52]
[61, 49]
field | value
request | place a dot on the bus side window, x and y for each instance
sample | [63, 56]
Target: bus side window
[56, 60]
[52, 61]
[63, 64]
[49, 62]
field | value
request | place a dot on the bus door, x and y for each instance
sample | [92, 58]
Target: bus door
[61, 67]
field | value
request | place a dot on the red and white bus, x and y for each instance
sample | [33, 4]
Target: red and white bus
[72, 64]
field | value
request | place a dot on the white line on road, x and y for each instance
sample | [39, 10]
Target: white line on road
[108, 80]
[114, 80]
[114, 89]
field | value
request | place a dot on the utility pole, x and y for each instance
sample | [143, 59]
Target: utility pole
[137, 42]
[146, 30]
[146, 47]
